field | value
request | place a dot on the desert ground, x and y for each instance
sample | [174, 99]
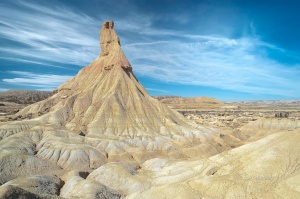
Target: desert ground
[241, 124]
[101, 135]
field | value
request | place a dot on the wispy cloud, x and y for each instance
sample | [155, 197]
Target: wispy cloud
[39, 81]
[56, 33]
[157, 90]
[48, 33]
[35, 62]
[232, 64]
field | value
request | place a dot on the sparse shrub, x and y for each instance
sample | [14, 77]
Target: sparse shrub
[282, 115]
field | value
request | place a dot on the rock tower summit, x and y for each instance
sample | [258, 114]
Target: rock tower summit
[111, 48]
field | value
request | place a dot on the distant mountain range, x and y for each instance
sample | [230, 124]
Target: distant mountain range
[268, 102]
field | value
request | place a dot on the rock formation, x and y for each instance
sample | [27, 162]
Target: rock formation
[105, 98]
[107, 105]
[101, 115]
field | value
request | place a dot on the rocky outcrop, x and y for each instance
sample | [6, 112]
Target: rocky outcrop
[77, 187]
[13, 192]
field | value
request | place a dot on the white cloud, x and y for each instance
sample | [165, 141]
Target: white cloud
[36, 62]
[157, 90]
[233, 64]
[39, 81]
[49, 33]
[56, 33]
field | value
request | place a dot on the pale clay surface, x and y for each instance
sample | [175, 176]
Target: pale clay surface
[102, 136]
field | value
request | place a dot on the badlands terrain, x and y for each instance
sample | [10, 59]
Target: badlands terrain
[101, 135]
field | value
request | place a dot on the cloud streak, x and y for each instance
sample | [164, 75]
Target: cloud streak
[35, 62]
[157, 90]
[41, 81]
[53, 34]
[45, 34]
[232, 64]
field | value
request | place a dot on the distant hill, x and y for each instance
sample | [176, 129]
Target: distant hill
[187, 100]
[24, 96]
[268, 102]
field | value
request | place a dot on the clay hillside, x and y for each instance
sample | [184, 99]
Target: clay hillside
[102, 136]
[187, 100]
[12, 101]
[178, 102]
[23, 96]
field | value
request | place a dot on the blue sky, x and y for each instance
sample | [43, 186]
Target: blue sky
[230, 50]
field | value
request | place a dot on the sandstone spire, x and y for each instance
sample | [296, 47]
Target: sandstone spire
[107, 105]
[106, 98]
[111, 48]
